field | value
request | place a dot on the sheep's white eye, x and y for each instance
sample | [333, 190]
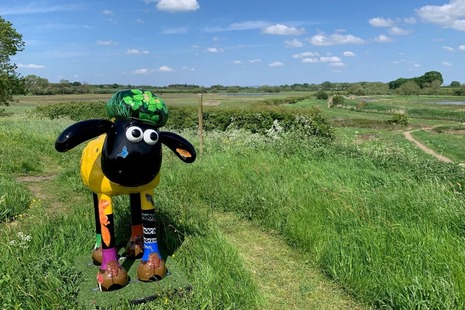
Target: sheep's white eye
[134, 134]
[150, 136]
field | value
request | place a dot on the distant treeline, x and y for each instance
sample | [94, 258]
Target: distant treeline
[429, 84]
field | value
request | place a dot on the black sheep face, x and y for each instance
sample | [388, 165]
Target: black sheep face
[131, 154]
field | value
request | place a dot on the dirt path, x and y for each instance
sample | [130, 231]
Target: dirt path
[408, 136]
[283, 276]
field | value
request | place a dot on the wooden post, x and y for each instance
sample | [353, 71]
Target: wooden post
[200, 113]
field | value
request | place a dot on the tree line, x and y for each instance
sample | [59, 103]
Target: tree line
[428, 84]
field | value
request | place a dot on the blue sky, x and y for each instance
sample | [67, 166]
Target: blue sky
[246, 43]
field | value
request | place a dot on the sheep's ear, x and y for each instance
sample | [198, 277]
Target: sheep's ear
[180, 146]
[80, 132]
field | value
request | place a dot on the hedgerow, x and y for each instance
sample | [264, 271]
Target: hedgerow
[311, 122]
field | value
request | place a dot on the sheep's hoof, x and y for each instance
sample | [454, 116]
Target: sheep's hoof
[153, 269]
[97, 256]
[112, 278]
[135, 247]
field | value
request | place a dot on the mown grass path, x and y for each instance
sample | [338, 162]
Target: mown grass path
[284, 277]
[408, 136]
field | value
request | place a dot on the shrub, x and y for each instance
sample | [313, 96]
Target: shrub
[321, 95]
[399, 119]
[338, 100]
[76, 111]
[287, 100]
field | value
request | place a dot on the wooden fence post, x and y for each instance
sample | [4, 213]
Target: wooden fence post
[200, 113]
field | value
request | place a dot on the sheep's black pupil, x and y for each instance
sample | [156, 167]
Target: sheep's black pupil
[153, 136]
[136, 133]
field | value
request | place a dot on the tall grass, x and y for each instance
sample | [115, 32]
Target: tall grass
[37, 268]
[385, 224]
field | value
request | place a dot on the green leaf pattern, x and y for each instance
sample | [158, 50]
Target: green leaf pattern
[145, 106]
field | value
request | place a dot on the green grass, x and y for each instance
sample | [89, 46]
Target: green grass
[40, 246]
[374, 215]
[384, 223]
[449, 143]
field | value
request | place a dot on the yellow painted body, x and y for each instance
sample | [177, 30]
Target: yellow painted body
[92, 175]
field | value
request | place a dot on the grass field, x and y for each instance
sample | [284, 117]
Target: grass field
[375, 220]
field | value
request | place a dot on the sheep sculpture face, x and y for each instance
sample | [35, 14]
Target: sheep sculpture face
[131, 154]
[125, 158]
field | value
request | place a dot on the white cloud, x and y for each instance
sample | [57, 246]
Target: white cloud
[34, 9]
[178, 5]
[330, 59]
[107, 12]
[451, 15]
[293, 43]
[215, 50]
[137, 52]
[334, 39]
[237, 62]
[462, 47]
[165, 69]
[253, 61]
[381, 22]
[106, 42]
[349, 54]
[248, 25]
[382, 38]
[410, 20]
[142, 71]
[147, 71]
[280, 29]
[311, 60]
[448, 48]
[31, 66]
[398, 31]
[276, 64]
[305, 55]
[188, 69]
[447, 64]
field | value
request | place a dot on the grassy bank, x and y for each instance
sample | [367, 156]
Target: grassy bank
[368, 211]
[383, 223]
[40, 238]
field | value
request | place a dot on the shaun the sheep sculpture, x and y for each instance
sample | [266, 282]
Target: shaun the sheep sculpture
[125, 159]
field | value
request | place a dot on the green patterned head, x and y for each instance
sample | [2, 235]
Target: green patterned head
[139, 104]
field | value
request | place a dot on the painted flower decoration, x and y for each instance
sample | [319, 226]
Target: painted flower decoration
[140, 104]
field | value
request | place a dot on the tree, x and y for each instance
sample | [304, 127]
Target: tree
[397, 83]
[376, 88]
[409, 88]
[356, 89]
[431, 76]
[326, 85]
[36, 85]
[455, 84]
[11, 42]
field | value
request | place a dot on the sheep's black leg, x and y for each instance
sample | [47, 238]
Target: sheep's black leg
[152, 266]
[97, 251]
[111, 274]
[135, 245]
